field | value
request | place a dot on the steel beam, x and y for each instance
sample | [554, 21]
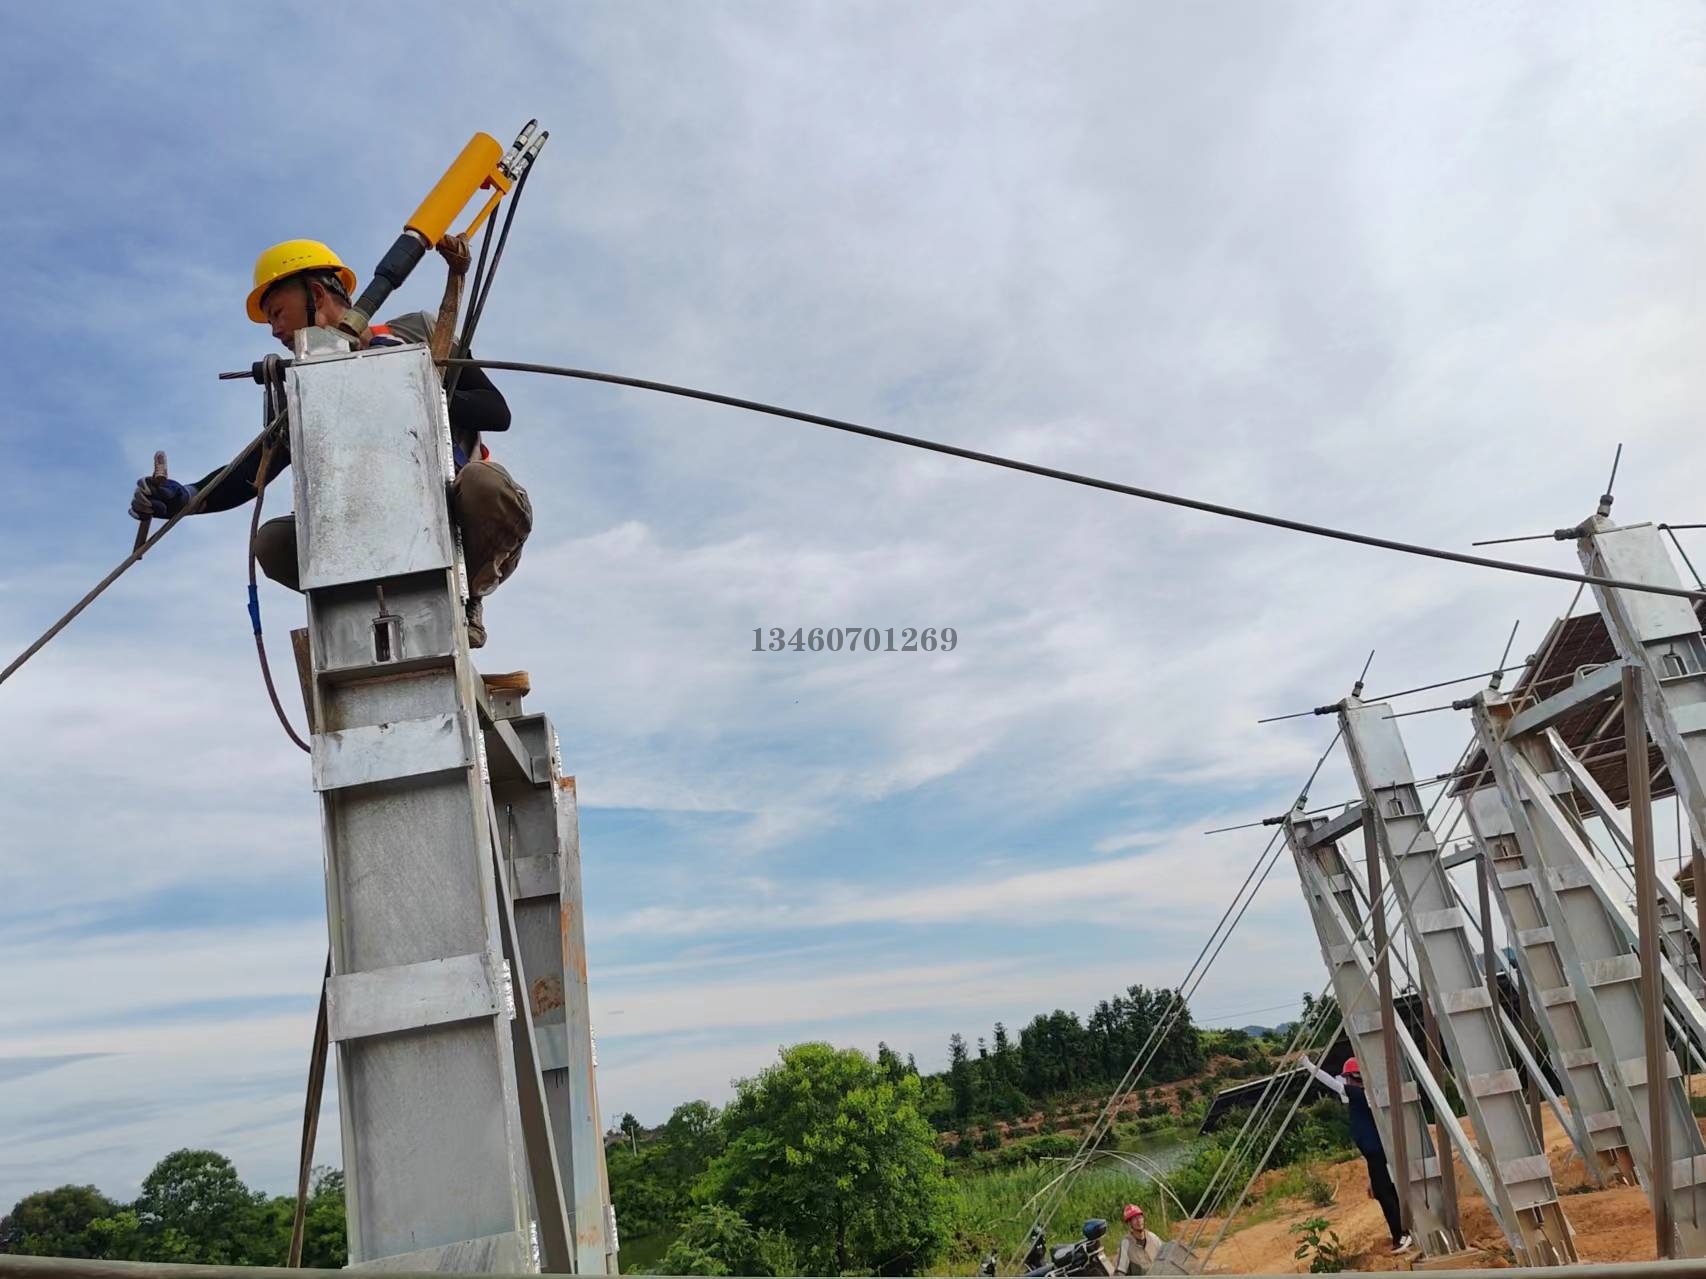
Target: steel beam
[436, 1171]
[1679, 927]
[1462, 999]
[1652, 1001]
[1595, 933]
[536, 820]
[1330, 893]
[1659, 635]
[1528, 908]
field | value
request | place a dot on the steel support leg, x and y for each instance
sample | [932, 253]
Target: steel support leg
[1594, 936]
[1462, 1000]
[538, 823]
[1333, 906]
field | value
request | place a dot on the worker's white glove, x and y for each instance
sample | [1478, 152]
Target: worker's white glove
[1303, 1060]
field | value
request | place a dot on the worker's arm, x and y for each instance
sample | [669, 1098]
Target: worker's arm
[454, 250]
[1332, 1082]
[161, 499]
[477, 405]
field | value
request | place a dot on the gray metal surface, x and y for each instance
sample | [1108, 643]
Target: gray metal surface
[537, 822]
[1652, 1000]
[434, 1158]
[1660, 636]
[1521, 889]
[1584, 943]
[1333, 906]
[1460, 996]
[366, 455]
[1680, 925]
[1616, 901]
[591, 1185]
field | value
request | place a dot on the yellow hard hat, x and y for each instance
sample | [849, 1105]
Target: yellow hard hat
[292, 258]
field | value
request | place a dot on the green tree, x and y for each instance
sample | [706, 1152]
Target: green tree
[691, 1139]
[325, 1238]
[825, 1149]
[1006, 1067]
[194, 1207]
[55, 1223]
[719, 1241]
[890, 1061]
[959, 1076]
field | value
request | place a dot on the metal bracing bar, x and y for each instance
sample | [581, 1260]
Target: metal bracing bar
[1336, 828]
[1464, 856]
[531, 819]
[1590, 688]
[1579, 856]
[1595, 933]
[1516, 880]
[1513, 1033]
[1459, 993]
[1652, 1002]
[1432, 1213]
[434, 1154]
[1685, 954]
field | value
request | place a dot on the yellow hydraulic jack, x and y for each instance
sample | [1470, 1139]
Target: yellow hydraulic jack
[483, 165]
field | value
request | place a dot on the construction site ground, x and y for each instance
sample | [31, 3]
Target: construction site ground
[1614, 1224]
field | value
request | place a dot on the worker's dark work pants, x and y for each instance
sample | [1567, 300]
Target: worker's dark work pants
[1381, 1187]
[487, 504]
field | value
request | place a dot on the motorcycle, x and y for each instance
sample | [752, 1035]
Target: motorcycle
[1085, 1257]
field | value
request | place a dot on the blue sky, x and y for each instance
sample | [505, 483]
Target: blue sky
[1412, 272]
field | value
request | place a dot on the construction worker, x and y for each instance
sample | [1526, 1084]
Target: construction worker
[1347, 1086]
[1140, 1248]
[302, 282]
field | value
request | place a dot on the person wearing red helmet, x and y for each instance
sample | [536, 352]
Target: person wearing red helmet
[1139, 1248]
[1347, 1086]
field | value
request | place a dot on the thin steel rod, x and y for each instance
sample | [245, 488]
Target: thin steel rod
[1506, 541]
[1405, 692]
[1676, 543]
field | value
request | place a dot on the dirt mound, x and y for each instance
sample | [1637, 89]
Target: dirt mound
[1613, 1224]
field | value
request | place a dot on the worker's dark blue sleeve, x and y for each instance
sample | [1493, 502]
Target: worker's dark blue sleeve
[477, 405]
[238, 488]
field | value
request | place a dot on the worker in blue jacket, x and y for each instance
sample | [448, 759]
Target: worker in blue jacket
[1347, 1086]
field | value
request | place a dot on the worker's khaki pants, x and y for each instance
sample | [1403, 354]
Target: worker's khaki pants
[487, 504]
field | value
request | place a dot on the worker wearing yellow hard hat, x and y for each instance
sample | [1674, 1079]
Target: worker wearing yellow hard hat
[299, 283]
[291, 258]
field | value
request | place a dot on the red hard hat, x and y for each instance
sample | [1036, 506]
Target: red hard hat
[1350, 1067]
[1132, 1210]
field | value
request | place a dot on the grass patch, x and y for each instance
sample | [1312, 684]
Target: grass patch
[989, 1210]
[643, 1254]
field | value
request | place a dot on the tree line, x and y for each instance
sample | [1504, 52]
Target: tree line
[825, 1162]
[1056, 1054]
[193, 1208]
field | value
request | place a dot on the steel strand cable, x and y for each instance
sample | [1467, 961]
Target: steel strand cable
[1072, 477]
[190, 508]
